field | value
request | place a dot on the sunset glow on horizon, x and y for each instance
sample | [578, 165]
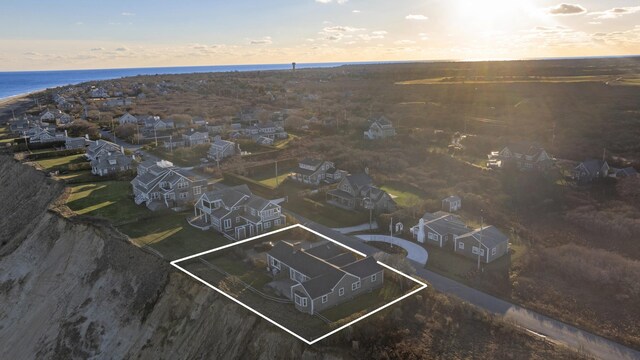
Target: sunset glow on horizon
[38, 35]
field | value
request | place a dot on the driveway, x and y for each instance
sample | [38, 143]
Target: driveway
[361, 227]
[415, 252]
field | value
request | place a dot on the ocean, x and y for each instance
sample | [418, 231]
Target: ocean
[22, 82]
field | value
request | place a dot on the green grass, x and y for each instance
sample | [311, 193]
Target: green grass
[283, 144]
[48, 164]
[402, 194]
[255, 278]
[109, 199]
[9, 140]
[324, 213]
[170, 234]
[271, 182]
[78, 176]
[515, 79]
[366, 302]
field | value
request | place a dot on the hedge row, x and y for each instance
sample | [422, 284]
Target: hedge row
[53, 154]
[50, 145]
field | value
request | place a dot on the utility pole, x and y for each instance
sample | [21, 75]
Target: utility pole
[480, 247]
[155, 135]
[277, 184]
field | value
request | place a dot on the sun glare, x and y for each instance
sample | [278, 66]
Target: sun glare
[489, 15]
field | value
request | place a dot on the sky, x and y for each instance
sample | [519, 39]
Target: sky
[94, 34]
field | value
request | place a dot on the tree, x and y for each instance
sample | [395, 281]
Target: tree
[82, 127]
[181, 119]
[126, 131]
[629, 189]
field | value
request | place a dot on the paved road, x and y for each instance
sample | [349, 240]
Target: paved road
[415, 252]
[554, 330]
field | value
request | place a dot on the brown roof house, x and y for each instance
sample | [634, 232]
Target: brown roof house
[322, 276]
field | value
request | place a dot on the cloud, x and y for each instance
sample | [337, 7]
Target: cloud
[122, 49]
[97, 49]
[405, 42]
[423, 36]
[566, 9]
[379, 32]
[79, 23]
[264, 41]
[615, 12]
[416, 17]
[331, 1]
[128, 14]
[356, 11]
[342, 29]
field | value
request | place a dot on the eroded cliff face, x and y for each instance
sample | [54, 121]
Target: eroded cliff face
[76, 288]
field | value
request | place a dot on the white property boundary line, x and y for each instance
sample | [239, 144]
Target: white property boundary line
[422, 285]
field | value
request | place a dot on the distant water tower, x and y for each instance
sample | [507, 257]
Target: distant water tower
[293, 65]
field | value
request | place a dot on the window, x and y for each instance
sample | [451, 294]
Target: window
[155, 196]
[267, 225]
[197, 190]
[432, 236]
[275, 263]
[461, 245]
[374, 277]
[302, 301]
[184, 195]
[478, 251]
[277, 222]
[237, 219]
[341, 292]
[227, 223]
[325, 298]
[355, 285]
[494, 251]
[183, 185]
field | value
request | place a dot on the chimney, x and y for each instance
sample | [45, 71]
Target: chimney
[366, 170]
[65, 134]
[122, 149]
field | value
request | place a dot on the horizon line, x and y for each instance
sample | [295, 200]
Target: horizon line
[337, 63]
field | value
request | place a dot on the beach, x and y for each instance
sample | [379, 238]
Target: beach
[14, 104]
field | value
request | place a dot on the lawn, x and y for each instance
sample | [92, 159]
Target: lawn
[78, 176]
[52, 163]
[109, 199]
[404, 195]
[364, 303]
[324, 213]
[170, 234]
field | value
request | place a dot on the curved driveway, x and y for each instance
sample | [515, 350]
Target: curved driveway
[415, 252]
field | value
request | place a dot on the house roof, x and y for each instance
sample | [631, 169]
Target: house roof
[628, 171]
[363, 268]
[326, 250]
[230, 196]
[490, 236]
[303, 262]
[311, 162]
[111, 159]
[448, 224]
[593, 165]
[322, 284]
[357, 181]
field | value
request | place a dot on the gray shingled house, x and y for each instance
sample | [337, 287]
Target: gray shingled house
[236, 213]
[161, 185]
[439, 228]
[452, 203]
[314, 171]
[323, 276]
[111, 163]
[355, 191]
[488, 243]
[590, 170]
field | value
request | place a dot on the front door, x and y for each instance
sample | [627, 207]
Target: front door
[258, 228]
